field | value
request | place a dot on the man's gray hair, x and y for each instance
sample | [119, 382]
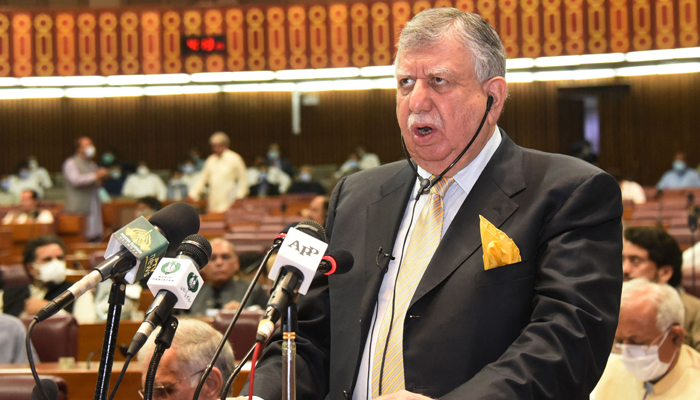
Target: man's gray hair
[195, 343]
[429, 27]
[220, 138]
[669, 307]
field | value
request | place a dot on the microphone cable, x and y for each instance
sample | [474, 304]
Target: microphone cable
[30, 359]
[251, 377]
[236, 371]
[227, 333]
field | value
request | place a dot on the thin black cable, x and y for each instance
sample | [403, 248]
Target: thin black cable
[393, 301]
[224, 339]
[236, 371]
[121, 376]
[151, 373]
[30, 359]
[369, 353]
[429, 182]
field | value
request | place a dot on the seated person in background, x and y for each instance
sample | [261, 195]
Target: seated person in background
[275, 159]
[12, 334]
[24, 180]
[220, 289]
[28, 211]
[6, 197]
[146, 207]
[305, 183]
[680, 176]
[649, 359]
[263, 187]
[114, 183]
[190, 173]
[40, 174]
[181, 366]
[44, 260]
[631, 190]
[144, 183]
[177, 188]
[367, 160]
[653, 254]
[275, 176]
[349, 167]
[318, 209]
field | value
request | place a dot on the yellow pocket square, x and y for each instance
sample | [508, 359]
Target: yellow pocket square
[499, 249]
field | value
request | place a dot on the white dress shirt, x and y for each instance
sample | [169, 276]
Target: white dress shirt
[455, 196]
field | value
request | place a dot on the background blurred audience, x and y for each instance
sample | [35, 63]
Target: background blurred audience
[680, 176]
[28, 211]
[144, 183]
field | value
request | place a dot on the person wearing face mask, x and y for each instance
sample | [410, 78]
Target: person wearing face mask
[144, 183]
[83, 179]
[680, 176]
[39, 173]
[275, 159]
[6, 197]
[305, 183]
[190, 173]
[349, 167]
[649, 360]
[44, 261]
[24, 180]
[115, 181]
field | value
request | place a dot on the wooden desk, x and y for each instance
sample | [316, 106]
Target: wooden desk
[81, 381]
[90, 338]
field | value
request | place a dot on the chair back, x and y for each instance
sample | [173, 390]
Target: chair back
[242, 336]
[19, 387]
[55, 337]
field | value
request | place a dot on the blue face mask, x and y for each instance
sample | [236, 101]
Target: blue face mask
[273, 154]
[679, 166]
[24, 174]
[305, 177]
[188, 169]
[5, 184]
[107, 158]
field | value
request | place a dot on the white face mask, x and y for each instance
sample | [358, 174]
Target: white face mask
[90, 151]
[143, 171]
[53, 271]
[643, 361]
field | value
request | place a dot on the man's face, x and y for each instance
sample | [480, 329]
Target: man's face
[84, 144]
[317, 211]
[171, 381]
[637, 264]
[439, 105]
[27, 202]
[44, 254]
[637, 325]
[217, 148]
[223, 264]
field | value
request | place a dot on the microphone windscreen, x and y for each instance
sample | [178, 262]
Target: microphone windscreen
[312, 228]
[343, 259]
[177, 220]
[50, 388]
[198, 248]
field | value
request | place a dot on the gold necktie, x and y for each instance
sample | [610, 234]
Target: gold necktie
[424, 241]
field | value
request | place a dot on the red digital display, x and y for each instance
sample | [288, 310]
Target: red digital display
[203, 44]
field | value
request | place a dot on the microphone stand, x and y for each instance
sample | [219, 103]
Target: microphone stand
[289, 353]
[116, 301]
[693, 226]
[163, 342]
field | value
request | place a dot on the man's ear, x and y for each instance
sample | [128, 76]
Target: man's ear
[664, 272]
[213, 385]
[497, 88]
[677, 335]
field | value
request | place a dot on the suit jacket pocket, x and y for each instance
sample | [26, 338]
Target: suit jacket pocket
[506, 273]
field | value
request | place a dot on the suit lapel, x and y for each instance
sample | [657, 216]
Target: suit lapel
[490, 197]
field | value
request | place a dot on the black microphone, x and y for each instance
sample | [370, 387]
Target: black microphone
[693, 219]
[172, 292]
[338, 262]
[173, 222]
[50, 389]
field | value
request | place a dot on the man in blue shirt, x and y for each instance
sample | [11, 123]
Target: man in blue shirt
[680, 176]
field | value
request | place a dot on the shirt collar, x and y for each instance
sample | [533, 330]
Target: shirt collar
[467, 176]
[675, 374]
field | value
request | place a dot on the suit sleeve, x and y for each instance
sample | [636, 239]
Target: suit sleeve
[562, 351]
[313, 347]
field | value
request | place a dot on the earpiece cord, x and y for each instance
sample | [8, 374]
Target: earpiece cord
[427, 183]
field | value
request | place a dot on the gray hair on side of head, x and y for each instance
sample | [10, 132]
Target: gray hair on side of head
[429, 27]
[220, 138]
[195, 343]
[669, 307]
[231, 246]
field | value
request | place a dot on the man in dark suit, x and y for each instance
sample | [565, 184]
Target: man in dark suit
[519, 300]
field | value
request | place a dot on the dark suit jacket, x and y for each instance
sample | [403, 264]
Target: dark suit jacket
[538, 329]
